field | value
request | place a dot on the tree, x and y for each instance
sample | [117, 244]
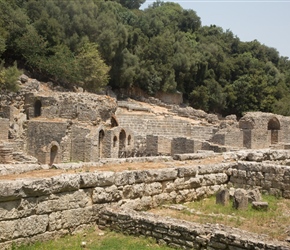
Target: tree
[9, 77]
[93, 72]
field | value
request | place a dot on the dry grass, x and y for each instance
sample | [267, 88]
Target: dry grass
[113, 167]
[275, 222]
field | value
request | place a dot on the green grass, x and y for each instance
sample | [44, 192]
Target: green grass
[274, 222]
[109, 241]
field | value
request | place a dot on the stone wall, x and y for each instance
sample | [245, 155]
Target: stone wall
[158, 145]
[84, 107]
[269, 177]
[182, 234]
[40, 208]
[40, 135]
[170, 127]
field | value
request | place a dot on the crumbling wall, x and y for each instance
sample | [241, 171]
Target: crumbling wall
[84, 107]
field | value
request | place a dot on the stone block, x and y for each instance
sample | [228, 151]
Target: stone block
[223, 197]
[65, 183]
[240, 201]
[260, 205]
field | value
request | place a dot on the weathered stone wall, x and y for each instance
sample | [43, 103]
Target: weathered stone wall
[40, 135]
[164, 126]
[269, 177]
[158, 145]
[39, 208]
[230, 138]
[182, 145]
[84, 107]
[182, 234]
[80, 149]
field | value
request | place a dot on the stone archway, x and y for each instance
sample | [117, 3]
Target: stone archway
[274, 127]
[101, 143]
[53, 154]
[37, 108]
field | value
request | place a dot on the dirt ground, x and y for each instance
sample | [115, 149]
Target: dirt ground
[43, 173]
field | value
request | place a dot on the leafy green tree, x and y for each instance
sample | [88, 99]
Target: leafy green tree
[92, 71]
[9, 77]
[132, 4]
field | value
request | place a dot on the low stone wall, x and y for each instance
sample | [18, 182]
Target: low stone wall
[40, 208]
[271, 178]
[183, 234]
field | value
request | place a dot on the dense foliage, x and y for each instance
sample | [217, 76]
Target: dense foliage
[92, 43]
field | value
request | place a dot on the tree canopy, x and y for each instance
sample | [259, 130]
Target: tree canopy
[94, 43]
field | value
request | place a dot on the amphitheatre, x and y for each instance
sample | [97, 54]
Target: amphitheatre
[73, 159]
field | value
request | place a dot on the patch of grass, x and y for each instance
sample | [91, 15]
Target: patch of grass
[94, 241]
[273, 222]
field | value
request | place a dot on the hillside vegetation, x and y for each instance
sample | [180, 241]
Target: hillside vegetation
[94, 43]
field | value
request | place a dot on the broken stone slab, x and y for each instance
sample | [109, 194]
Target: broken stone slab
[240, 201]
[223, 197]
[260, 205]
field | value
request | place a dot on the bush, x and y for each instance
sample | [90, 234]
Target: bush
[9, 77]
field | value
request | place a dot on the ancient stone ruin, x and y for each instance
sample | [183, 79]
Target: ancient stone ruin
[46, 128]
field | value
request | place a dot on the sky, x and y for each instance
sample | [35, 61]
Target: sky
[266, 21]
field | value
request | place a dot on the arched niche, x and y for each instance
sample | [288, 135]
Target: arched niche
[37, 108]
[274, 127]
[101, 143]
[115, 140]
[274, 124]
[114, 122]
[53, 154]
[129, 139]
[122, 143]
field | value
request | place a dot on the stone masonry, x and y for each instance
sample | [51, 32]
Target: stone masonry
[40, 208]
